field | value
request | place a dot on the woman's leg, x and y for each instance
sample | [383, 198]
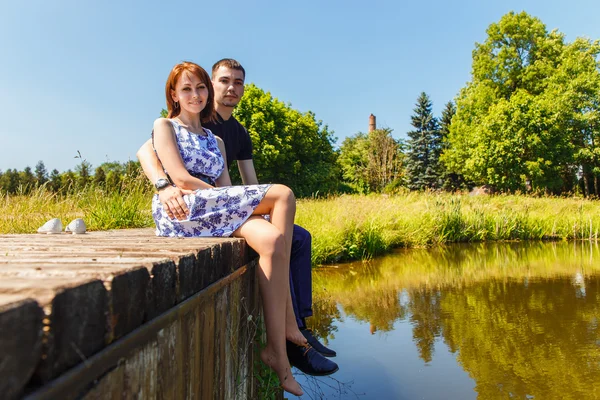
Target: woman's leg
[280, 204]
[273, 280]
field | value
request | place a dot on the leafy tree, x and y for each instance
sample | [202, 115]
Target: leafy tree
[69, 181]
[99, 177]
[113, 180]
[574, 94]
[527, 118]
[41, 175]
[424, 147]
[372, 161]
[55, 181]
[9, 181]
[290, 147]
[450, 180]
[27, 179]
[83, 174]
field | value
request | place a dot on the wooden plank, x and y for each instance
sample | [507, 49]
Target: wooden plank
[129, 297]
[169, 362]
[162, 291]
[220, 340]
[110, 386]
[20, 344]
[191, 341]
[128, 305]
[77, 327]
[208, 348]
[141, 373]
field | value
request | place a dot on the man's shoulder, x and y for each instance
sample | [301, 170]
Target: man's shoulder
[235, 122]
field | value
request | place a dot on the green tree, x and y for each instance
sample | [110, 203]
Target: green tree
[573, 94]
[9, 181]
[424, 147]
[69, 181]
[503, 133]
[99, 177]
[450, 180]
[113, 181]
[370, 162]
[290, 147]
[55, 181]
[27, 180]
[83, 174]
[41, 175]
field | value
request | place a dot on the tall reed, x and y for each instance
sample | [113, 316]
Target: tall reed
[351, 226]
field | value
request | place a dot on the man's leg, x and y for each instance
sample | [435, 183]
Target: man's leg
[309, 361]
[301, 275]
[301, 285]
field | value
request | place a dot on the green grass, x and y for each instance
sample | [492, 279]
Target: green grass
[100, 209]
[346, 227]
[353, 227]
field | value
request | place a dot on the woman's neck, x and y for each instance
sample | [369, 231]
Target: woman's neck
[191, 121]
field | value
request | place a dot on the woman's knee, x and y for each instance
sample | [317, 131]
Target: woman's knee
[271, 243]
[284, 193]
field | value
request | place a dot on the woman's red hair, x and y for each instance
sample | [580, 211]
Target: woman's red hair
[207, 114]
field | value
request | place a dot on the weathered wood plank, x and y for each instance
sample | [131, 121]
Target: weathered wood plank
[221, 317]
[129, 303]
[208, 348]
[162, 291]
[77, 327]
[20, 344]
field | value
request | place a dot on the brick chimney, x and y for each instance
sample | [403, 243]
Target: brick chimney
[372, 123]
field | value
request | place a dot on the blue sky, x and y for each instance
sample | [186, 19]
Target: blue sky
[89, 76]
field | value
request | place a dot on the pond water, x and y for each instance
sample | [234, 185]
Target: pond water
[484, 321]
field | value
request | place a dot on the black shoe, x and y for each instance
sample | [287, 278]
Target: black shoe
[309, 361]
[316, 344]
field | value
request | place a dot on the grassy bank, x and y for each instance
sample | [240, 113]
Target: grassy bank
[354, 227]
[347, 227]
[128, 208]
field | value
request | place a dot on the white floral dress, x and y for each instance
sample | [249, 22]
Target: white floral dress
[213, 212]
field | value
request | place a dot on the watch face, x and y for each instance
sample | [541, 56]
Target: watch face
[161, 183]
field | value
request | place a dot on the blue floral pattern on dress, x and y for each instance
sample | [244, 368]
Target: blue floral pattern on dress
[215, 211]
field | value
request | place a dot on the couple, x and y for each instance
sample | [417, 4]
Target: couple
[196, 199]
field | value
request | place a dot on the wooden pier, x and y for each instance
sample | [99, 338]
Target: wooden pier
[126, 314]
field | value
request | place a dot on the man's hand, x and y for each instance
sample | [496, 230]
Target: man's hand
[172, 200]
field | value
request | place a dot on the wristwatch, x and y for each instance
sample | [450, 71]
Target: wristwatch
[162, 183]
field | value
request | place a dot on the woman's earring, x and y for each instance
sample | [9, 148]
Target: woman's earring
[176, 104]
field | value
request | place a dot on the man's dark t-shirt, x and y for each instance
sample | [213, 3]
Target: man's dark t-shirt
[238, 145]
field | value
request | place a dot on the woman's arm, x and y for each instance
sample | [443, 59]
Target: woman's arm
[168, 153]
[223, 179]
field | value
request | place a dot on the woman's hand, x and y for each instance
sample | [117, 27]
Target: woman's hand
[171, 198]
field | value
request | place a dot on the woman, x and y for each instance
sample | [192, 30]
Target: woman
[193, 156]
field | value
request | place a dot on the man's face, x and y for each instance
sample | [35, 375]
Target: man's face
[229, 86]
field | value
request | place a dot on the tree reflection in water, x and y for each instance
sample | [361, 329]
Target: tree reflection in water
[523, 319]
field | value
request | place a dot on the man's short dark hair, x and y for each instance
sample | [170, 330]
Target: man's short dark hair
[228, 63]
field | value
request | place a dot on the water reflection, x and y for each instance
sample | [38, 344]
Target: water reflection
[520, 319]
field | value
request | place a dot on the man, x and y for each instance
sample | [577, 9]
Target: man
[228, 78]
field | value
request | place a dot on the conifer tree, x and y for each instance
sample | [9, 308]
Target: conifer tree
[424, 147]
[27, 179]
[55, 180]
[41, 175]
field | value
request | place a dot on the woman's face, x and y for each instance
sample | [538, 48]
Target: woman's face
[190, 92]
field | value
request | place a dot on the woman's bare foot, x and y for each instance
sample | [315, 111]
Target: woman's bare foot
[281, 366]
[293, 334]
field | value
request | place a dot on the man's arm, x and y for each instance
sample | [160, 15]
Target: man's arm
[171, 196]
[247, 172]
